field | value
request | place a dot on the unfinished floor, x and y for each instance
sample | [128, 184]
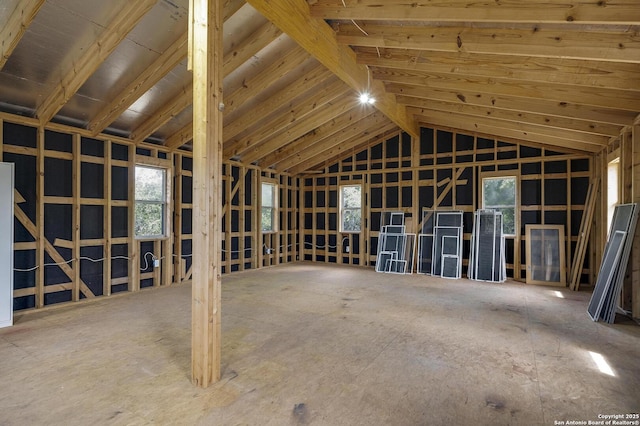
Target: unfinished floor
[314, 344]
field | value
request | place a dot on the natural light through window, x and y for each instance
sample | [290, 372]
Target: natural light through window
[269, 203]
[499, 193]
[350, 208]
[558, 294]
[602, 364]
[150, 202]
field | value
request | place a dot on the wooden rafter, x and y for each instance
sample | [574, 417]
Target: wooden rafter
[595, 96]
[341, 150]
[626, 12]
[347, 121]
[172, 108]
[623, 76]
[326, 113]
[285, 96]
[127, 18]
[413, 95]
[526, 117]
[358, 128]
[15, 27]
[501, 128]
[169, 59]
[612, 45]
[317, 37]
[305, 109]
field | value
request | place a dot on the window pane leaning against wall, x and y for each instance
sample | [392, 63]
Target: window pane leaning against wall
[499, 193]
[151, 202]
[351, 208]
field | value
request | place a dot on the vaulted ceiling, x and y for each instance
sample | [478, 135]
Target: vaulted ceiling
[563, 74]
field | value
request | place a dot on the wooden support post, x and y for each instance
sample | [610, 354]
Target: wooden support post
[206, 55]
[76, 164]
[106, 230]
[635, 250]
[40, 243]
[134, 261]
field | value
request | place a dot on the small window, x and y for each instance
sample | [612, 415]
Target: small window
[151, 202]
[269, 207]
[499, 193]
[350, 208]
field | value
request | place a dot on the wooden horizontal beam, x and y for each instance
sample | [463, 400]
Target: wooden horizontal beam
[15, 27]
[317, 37]
[619, 75]
[594, 96]
[128, 17]
[626, 12]
[535, 40]
[409, 95]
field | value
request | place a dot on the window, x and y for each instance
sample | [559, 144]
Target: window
[613, 172]
[151, 202]
[350, 208]
[269, 210]
[499, 193]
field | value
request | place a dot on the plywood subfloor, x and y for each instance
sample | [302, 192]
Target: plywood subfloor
[325, 345]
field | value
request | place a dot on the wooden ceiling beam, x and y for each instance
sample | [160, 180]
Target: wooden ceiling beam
[359, 126]
[269, 75]
[299, 128]
[624, 12]
[172, 108]
[411, 95]
[15, 27]
[614, 45]
[320, 133]
[314, 77]
[623, 76]
[529, 128]
[319, 39]
[255, 42]
[128, 17]
[169, 59]
[179, 138]
[253, 142]
[340, 150]
[594, 96]
[499, 128]
[526, 117]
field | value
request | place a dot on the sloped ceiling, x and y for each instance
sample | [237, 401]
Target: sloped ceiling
[563, 74]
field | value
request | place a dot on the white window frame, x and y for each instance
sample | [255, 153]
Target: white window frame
[516, 207]
[342, 208]
[613, 188]
[274, 208]
[164, 202]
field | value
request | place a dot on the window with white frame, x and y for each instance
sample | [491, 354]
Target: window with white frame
[269, 207]
[150, 202]
[350, 208]
[500, 193]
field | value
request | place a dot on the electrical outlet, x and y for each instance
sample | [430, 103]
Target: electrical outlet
[156, 263]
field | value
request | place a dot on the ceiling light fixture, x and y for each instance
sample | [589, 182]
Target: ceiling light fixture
[366, 98]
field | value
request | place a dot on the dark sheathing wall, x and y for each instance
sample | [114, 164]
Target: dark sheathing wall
[74, 213]
[442, 171]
